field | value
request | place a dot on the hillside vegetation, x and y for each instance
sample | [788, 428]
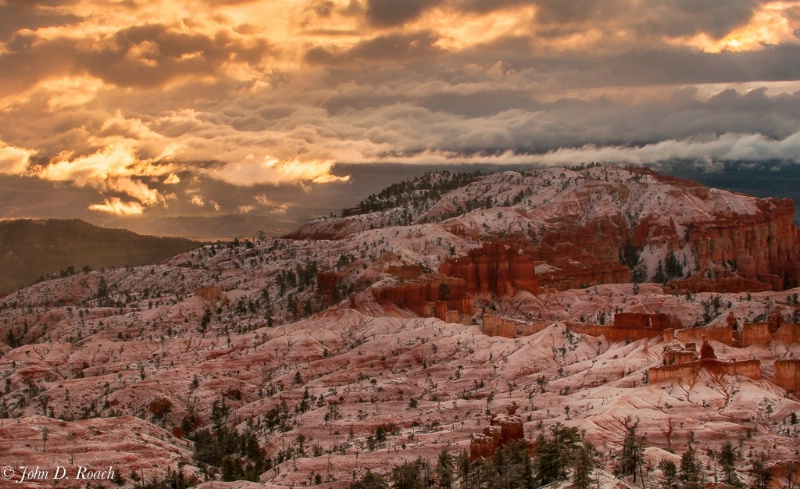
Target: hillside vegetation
[34, 249]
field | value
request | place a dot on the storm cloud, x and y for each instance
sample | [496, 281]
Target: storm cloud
[161, 104]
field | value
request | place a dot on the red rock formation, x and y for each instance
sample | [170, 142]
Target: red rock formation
[499, 268]
[787, 333]
[787, 375]
[614, 334]
[679, 356]
[722, 335]
[630, 327]
[583, 255]
[748, 368]
[208, 293]
[764, 247]
[494, 325]
[483, 445]
[707, 352]
[429, 296]
[634, 320]
[406, 272]
[327, 281]
[755, 334]
[599, 240]
[503, 429]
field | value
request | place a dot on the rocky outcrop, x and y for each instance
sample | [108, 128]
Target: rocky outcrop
[504, 267]
[764, 246]
[405, 272]
[787, 375]
[502, 430]
[208, 293]
[500, 268]
[787, 333]
[327, 281]
[428, 296]
[578, 256]
[683, 371]
[755, 334]
[643, 321]
[494, 325]
[629, 327]
[678, 356]
[614, 334]
[723, 335]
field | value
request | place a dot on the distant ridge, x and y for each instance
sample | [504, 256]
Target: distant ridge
[30, 249]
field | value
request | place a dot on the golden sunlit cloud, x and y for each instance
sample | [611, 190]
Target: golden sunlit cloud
[262, 200]
[114, 168]
[196, 200]
[459, 31]
[271, 170]
[116, 206]
[14, 161]
[771, 24]
[70, 91]
[274, 207]
[172, 179]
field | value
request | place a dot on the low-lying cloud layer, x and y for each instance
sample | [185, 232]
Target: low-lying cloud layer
[148, 103]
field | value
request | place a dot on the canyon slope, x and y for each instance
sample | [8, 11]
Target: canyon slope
[596, 297]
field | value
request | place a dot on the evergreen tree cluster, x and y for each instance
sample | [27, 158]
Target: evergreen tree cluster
[670, 269]
[561, 454]
[417, 191]
[236, 456]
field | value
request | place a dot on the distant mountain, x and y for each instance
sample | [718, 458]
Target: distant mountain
[30, 249]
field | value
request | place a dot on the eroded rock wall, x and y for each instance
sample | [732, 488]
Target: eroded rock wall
[428, 296]
[764, 246]
[748, 368]
[787, 374]
[500, 268]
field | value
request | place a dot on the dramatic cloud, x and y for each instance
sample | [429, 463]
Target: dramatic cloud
[113, 169]
[114, 205]
[727, 147]
[13, 161]
[170, 104]
[273, 171]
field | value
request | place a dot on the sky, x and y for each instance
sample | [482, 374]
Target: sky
[136, 108]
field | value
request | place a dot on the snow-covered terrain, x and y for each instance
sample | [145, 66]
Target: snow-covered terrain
[122, 365]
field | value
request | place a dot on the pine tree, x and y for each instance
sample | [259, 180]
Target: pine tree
[407, 476]
[554, 454]
[670, 472]
[444, 470]
[632, 457]
[762, 474]
[582, 467]
[370, 480]
[690, 474]
[727, 461]
[547, 460]
[465, 469]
